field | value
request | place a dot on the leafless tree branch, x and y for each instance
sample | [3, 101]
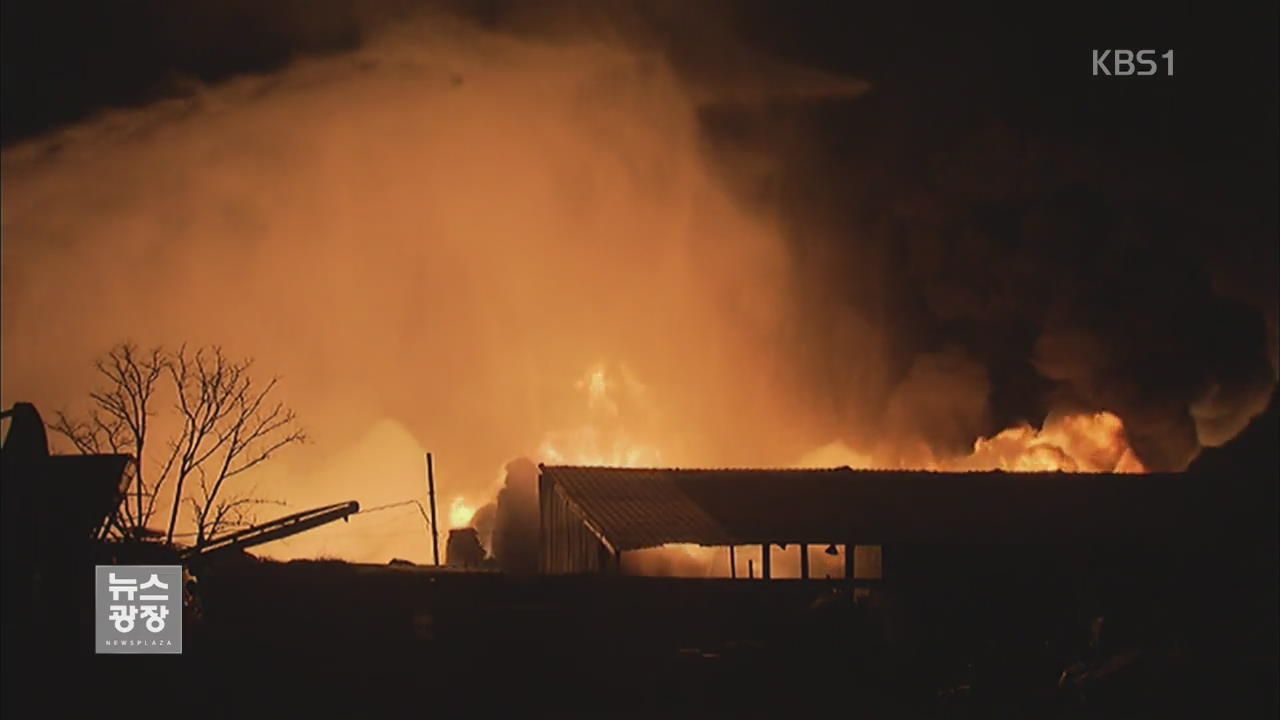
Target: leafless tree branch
[226, 426]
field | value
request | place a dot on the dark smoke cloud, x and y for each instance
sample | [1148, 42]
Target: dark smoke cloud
[1071, 245]
[1070, 288]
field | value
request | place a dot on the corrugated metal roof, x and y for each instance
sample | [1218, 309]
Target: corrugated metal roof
[638, 508]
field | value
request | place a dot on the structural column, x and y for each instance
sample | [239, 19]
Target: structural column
[766, 562]
[804, 561]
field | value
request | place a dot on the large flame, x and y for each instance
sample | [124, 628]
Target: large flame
[1078, 442]
[1075, 442]
[1085, 442]
[603, 438]
[1069, 442]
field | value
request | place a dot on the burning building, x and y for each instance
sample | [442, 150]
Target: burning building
[591, 517]
[963, 559]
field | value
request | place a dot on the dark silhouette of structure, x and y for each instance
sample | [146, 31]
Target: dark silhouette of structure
[1004, 596]
[1006, 574]
[589, 516]
[53, 510]
[56, 513]
[272, 530]
[464, 549]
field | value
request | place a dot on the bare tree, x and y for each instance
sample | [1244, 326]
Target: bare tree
[118, 423]
[227, 426]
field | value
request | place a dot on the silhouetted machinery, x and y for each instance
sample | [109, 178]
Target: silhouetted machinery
[55, 511]
[52, 510]
[273, 530]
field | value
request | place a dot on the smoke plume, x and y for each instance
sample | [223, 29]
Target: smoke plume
[432, 228]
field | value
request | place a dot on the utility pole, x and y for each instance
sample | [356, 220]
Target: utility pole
[431, 498]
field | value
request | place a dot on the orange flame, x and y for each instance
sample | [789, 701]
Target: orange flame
[602, 440]
[1085, 442]
[1079, 442]
[460, 513]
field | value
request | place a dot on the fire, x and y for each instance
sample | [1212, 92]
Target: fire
[588, 446]
[836, 454]
[460, 513]
[603, 439]
[1085, 442]
[1080, 442]
[1077, 442]
[597, 385]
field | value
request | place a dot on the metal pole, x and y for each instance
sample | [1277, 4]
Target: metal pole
[431, 497]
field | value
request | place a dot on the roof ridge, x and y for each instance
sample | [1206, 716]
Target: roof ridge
[843, 469]
[757, 469]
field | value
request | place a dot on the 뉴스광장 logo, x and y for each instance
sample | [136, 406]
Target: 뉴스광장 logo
[138, 609]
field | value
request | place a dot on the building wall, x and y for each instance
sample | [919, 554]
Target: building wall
[567, 546]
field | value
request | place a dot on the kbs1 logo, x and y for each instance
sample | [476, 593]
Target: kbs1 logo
[138, 609]
[1123, 63]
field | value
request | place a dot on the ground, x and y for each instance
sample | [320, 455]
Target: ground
[331, 639]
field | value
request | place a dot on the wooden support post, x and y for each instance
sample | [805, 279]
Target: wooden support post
[733, 563]
[804, 561]
[766, 562]
[848, 561]
[431, 498]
